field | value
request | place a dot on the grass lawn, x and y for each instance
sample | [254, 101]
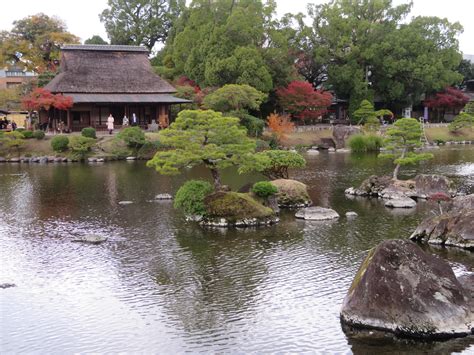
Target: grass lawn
[443, 134]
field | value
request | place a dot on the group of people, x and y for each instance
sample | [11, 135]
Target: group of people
[7, 125]
[125, 122]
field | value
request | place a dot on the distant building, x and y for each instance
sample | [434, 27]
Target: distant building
[13, 76]
[109, 79]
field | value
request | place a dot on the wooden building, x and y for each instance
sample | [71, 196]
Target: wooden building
[109, 79]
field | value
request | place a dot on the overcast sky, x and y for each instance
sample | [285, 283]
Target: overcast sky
[82, 16]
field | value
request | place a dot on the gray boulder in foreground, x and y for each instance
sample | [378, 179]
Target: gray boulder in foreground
[91, 239]
[316, 214]
[401, 289]
[163, 197]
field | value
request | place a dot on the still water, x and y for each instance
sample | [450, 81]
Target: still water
[161, 285]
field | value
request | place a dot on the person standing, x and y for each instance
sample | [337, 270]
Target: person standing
[134, 120]
[110, 123]
[125, 121]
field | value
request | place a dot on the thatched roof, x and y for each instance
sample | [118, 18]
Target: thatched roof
[104, 69]
[127, 98]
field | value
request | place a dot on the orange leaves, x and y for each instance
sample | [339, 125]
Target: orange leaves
[280, 125]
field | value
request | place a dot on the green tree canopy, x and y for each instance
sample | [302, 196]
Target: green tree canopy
[234, 97]
[231, 42]
[367, 114]
[34, 42]
[140, 22]
[203, 137]
[367, 49]
[274, 164]
[402, 139]
[96, 39]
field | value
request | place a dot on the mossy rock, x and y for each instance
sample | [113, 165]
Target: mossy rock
[291, 193]
[234, 206]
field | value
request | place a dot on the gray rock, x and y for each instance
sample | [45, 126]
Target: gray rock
[125, 202]
[100, 160]
[43, 160]
[291, 193]
[402, 202]
[14, 160]
[426, 185]
[351, 214]
[312, 151]
[455, 227]
[2, 160]
[91, 239]
[58, 160]
[401, 289]
[65, 160]
[316, 213]
[7, 285]
[131, 158]
[35, 160]
[91, 160]
[51, 159]
[340, 134]
[163, 197]
[343, 150]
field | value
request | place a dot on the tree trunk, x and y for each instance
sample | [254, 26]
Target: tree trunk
[397, 168]
[217, 179]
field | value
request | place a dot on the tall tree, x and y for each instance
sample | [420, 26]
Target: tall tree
[231, 42]
[140, 22]
[369, 51]
[34, 42]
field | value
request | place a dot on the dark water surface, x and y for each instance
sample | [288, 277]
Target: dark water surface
[161, 285]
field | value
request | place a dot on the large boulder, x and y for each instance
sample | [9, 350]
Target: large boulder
[426, 185]
[455, 227]
[402, 202]
[340, 134]
[226, 209]
[291, 193]
[316, 213]
[401, 289]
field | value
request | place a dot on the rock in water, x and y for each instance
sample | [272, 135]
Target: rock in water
[91, 239]
[401, 289]
[402, 202]
[125, 202]
[7, 285]
[163, 197]
[427, 185]
[455, 227]
[351, 214]
[316, 214]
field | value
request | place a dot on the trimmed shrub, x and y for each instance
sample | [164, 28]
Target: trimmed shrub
[264, 189]
[27, 134]
[60, 143]
[133, 137]
[89, 132]
[148, 149]
[463, 120]
[190, 197]
[38, 135]
[81, 146]
[373, 143]
[261, 145]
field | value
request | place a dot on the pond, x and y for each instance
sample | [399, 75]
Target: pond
[162, 285]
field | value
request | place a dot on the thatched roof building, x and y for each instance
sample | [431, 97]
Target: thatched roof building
[111, 79]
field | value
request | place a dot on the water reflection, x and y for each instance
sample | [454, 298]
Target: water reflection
[163, 285]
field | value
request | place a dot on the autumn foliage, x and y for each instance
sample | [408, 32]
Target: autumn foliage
[42, 99]
[280, 125]
[302, 101]
[449, 98]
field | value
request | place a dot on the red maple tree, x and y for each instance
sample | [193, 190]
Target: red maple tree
[448, 98]
[42, 99]
[304, 102]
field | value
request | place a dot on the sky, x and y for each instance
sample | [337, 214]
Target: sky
[82, 17]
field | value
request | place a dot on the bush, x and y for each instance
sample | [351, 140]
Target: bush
[463, 120]
[88, 132]
[38, 135]
[264, 189]
[261, 145]
[80, 146]
[60, 143]
[27, 134]
[190, 197]
[133, 137]
[148, 149]
[253, 124]
[360, 143]
[20, 130]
